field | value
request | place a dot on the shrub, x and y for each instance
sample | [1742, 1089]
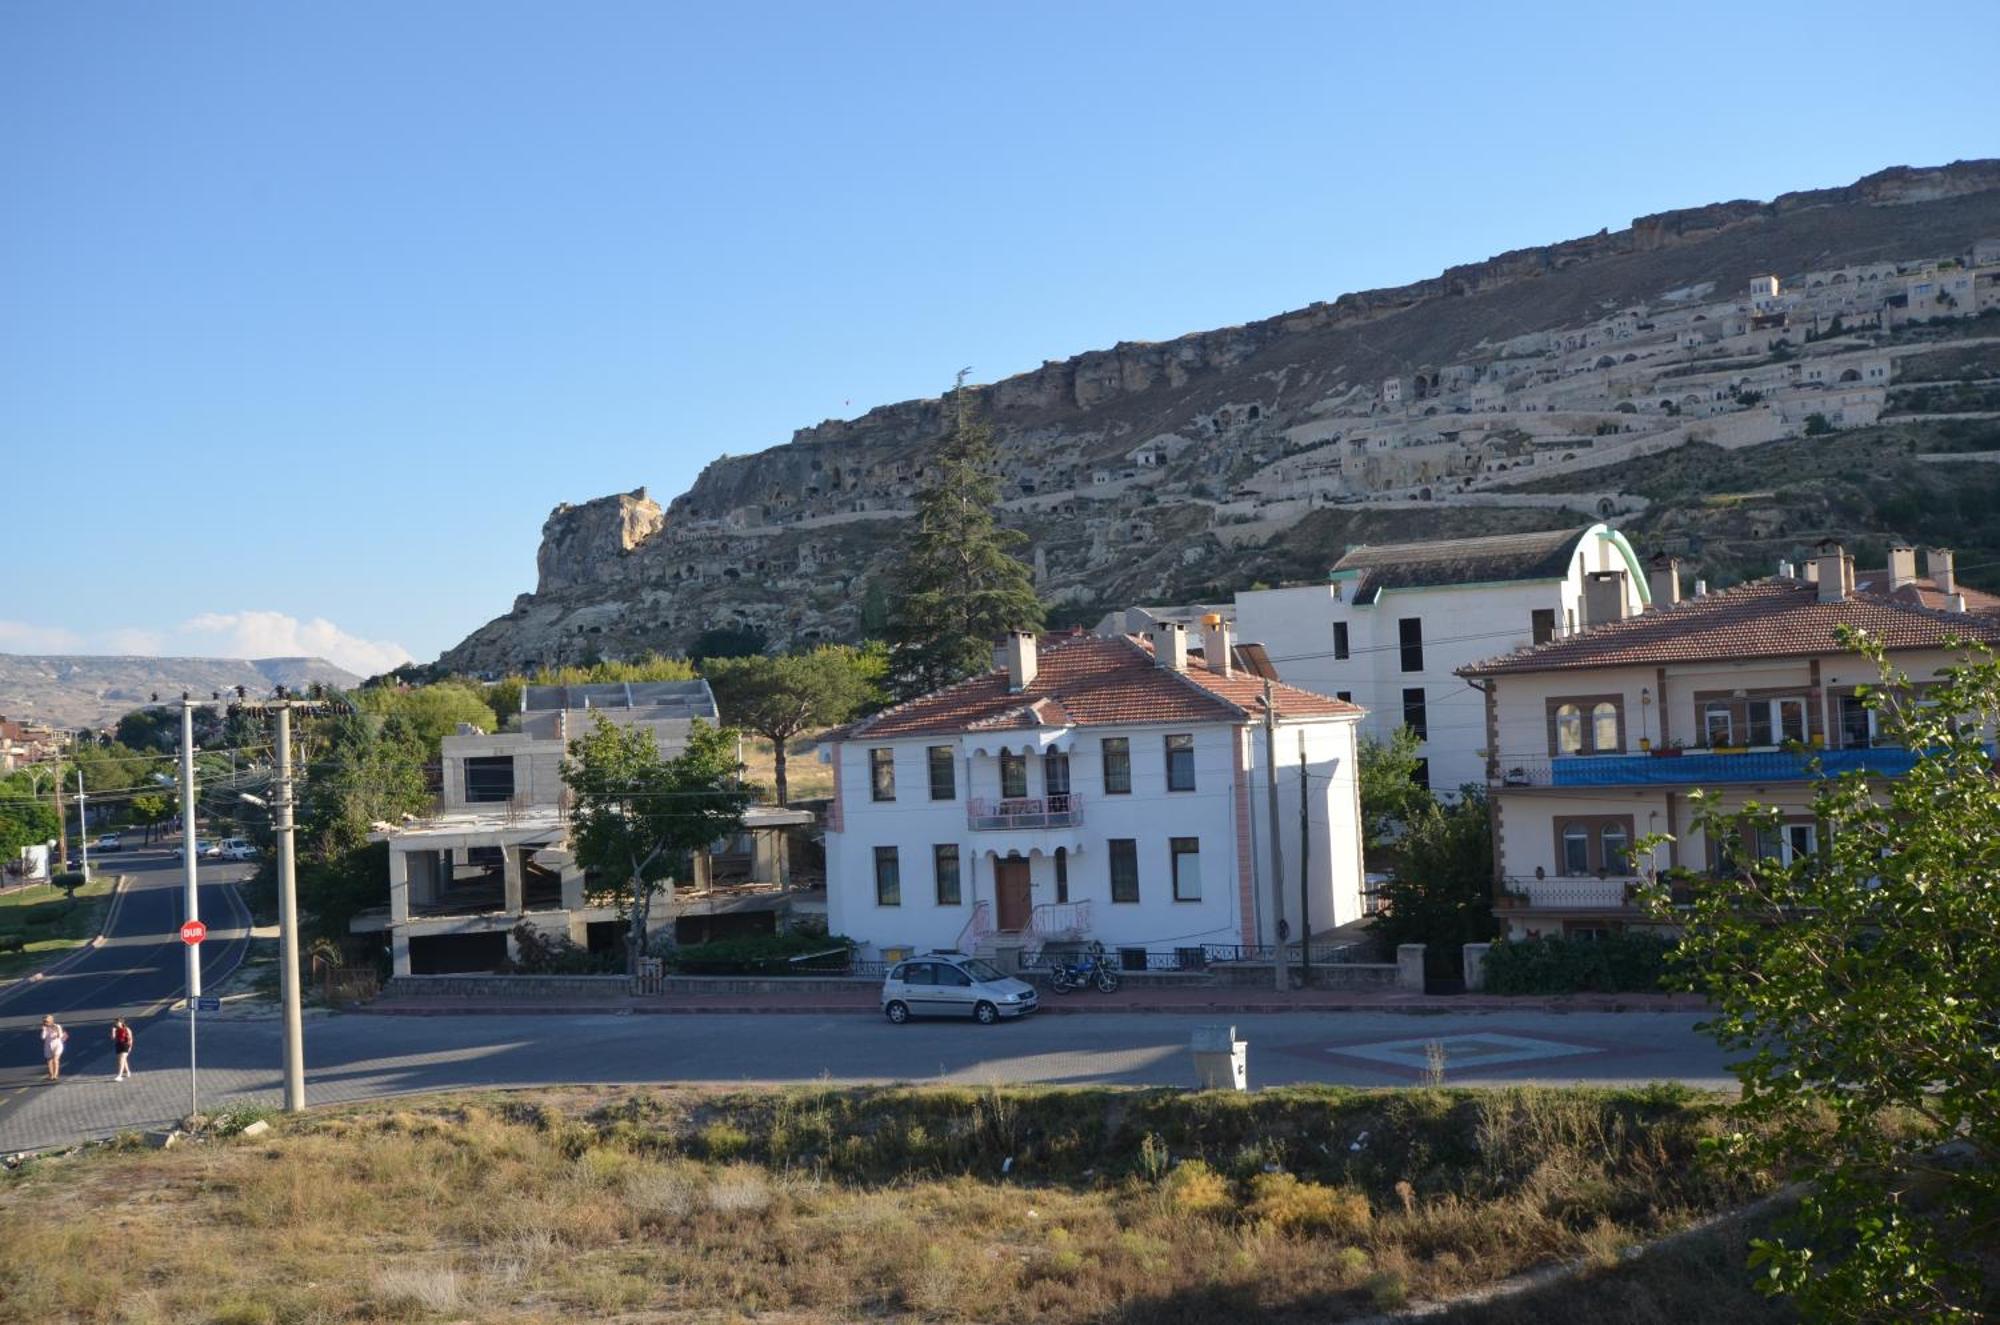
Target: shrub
[1193, 1188]
[764, 954]
[544, 953]
[1619, 963]
[1307, 1207]
[723, 1141]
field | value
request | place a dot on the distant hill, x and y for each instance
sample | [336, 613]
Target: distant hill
[72, 691]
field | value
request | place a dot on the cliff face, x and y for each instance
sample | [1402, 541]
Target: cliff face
[1121, 463]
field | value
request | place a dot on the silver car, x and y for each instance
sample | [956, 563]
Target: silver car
[951, 984]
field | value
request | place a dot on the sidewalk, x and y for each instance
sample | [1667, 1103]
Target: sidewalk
[866, 999]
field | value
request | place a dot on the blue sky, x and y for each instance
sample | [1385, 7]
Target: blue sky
[309, 313]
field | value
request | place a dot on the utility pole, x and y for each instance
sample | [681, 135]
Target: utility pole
[282, 805]
[82, 830]
[288, 921]
[1277, 850]
[192, 902]
[62, 827]
[1305, 878]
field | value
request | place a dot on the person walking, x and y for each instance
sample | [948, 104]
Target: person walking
[54, 1038]
[121, 1041]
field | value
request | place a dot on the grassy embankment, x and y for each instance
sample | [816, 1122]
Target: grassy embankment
[805, 776]
[47, 924]
[821, 1205]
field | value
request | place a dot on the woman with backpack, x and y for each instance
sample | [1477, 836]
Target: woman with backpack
[54, 1038]
[121, 1042]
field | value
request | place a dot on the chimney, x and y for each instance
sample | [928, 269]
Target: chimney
[1938, 563]
[1603, 597]
[1701, 588]
[1021, 660]
[1811, 575]
[1836, 572]
[1170, 645]
[1215, 644]
[1663, 576]
[1957, 603]
[1785, 569]
[1902, 566]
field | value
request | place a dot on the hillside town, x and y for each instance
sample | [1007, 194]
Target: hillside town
[1472, 796]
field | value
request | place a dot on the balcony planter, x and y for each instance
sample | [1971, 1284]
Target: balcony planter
[1666, 752]
[1511, 901]
[1645, 742]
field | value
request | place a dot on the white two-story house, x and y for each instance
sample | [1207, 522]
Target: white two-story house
[1392, 624]
[1597, 740]
[1091, 788]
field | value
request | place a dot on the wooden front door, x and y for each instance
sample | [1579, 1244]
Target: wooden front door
[1010, 886]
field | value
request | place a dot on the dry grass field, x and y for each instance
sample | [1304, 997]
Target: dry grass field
[829, 1205]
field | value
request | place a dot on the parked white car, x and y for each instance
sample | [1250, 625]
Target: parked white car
[237, 848]
[951, 984]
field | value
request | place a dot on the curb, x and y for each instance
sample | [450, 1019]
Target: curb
[871, 1009]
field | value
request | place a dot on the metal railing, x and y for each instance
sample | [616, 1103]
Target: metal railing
[1059, 920]
[1063, 810]
[1323, 954]
[1701, 767]
[977, 926]
[1607, 894]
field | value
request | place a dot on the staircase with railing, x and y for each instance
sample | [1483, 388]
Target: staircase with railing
[978, 928]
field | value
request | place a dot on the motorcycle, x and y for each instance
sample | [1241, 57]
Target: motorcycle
[1082, 971]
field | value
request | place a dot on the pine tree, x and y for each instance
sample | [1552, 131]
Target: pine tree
[958, 587]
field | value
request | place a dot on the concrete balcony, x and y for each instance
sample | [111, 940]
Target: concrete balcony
[1702, 768]
[1064, 810]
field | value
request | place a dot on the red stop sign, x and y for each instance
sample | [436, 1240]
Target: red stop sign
[193, 932]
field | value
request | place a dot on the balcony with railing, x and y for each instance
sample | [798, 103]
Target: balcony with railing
[1703, 768]
[1063, 810]
[1607, 894]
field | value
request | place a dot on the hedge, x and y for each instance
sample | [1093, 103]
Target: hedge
[768, 954]
[1617, 963]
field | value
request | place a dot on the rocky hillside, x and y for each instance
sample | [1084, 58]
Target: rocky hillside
[1165, 471]
[73, 691]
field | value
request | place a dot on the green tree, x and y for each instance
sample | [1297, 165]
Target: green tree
[726, 642]
[651, 667]
[1818, 425]
[1391, 795]
[639, 818]
[431, 712]
[371, 769]
[27, 809]
[1860, 983]
[150, 811]
[783, 697]
[1441, 892]
[958, 587]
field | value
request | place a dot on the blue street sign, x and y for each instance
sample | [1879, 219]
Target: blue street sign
[208, 1005]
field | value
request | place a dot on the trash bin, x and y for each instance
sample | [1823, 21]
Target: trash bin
[1221, 1061]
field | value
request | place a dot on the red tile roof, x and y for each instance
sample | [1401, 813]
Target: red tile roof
[1087, 681]
[1923, 592]
[1774, 618]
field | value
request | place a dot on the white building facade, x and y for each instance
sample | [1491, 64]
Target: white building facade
[1392, 625]
[1599, 740]
[1107, 789]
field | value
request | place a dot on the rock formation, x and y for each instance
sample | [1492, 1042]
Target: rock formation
[1159, 470]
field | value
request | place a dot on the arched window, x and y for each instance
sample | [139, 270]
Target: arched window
[1569, 729]
[1576, 850]
[1604, 726]
[1616, 849]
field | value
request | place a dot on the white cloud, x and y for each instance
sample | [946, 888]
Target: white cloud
[275, 635]
[250, 634]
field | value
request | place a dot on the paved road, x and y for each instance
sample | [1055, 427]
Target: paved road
[138, 971]
[358, 1056]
